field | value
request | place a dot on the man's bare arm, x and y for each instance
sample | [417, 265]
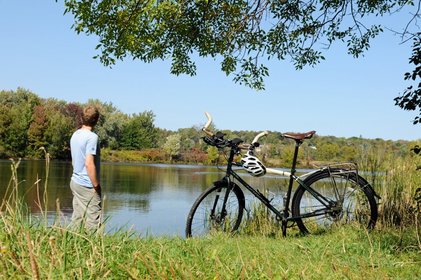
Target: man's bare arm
[91, 169]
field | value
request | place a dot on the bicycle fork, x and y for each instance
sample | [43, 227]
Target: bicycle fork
[223, 211]
[226, 180]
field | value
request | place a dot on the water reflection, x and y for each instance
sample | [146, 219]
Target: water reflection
[150, 199]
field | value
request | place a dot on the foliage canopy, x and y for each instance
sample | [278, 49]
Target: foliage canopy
[411, 98]
[239, 33]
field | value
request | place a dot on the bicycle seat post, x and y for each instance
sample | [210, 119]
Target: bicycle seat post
[287, 199]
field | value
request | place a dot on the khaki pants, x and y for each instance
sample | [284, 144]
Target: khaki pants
[86, 207]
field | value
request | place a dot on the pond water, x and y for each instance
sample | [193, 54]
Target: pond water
[151, 199]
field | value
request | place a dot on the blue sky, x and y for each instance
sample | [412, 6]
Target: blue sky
[342, 96]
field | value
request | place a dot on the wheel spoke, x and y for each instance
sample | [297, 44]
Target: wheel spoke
[209, 213]
[350, 202]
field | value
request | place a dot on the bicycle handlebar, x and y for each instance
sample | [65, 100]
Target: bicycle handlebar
[206, 130]
[264, 133]
[208, 123]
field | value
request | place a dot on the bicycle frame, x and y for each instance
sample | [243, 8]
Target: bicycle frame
[283, 214]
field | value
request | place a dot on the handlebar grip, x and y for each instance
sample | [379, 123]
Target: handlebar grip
[264, 133]
[207, 132]
[208, 123]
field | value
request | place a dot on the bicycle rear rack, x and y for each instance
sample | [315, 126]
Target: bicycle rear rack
[341, 168]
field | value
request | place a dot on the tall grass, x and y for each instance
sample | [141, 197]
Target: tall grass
[31, 250]
[258, 220]
[398, 182]
[346, 253]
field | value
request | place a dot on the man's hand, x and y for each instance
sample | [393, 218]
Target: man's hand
[97, 189]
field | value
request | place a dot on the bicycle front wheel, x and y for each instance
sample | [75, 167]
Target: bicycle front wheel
[348, 198]
[209, 213]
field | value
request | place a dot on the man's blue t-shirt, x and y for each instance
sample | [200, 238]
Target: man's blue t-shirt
[84, 142]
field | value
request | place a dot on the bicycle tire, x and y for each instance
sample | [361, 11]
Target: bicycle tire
[351, 193]
[202, 220]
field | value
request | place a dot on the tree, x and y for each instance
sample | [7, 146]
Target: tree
[239, 33]
[59, 129]
[173, 146]
[190, 137]
[74, 112]
[16, 137]
[411, 97]
[36, 131]
[139, 132]
[16, 109]
[213, 155]
[328, 151]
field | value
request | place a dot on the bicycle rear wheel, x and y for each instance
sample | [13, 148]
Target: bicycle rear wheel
[351, 201]
[208, 213]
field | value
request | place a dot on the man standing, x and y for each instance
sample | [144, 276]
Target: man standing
[85, 184]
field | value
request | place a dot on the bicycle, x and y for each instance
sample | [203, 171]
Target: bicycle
[333, 194]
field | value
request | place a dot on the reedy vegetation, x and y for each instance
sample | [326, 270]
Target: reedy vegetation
[344, 253]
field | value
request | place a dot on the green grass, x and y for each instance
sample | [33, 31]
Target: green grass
[344, 253]
[31, 250]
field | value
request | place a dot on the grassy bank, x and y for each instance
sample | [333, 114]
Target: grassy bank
[31, 250]
[344, 253]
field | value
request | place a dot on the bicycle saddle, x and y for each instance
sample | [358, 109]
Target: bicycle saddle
[299, 136]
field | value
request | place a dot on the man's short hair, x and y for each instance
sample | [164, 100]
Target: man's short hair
[90, 116]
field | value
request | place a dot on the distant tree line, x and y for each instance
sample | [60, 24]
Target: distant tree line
[29, 124]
